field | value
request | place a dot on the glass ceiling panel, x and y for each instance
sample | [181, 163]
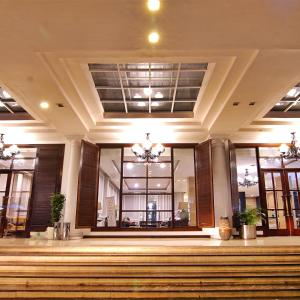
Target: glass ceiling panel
[139, 84]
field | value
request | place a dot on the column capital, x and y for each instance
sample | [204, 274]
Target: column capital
[71, 138]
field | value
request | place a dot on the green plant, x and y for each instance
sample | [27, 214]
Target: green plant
[251, 216]
[57, 204]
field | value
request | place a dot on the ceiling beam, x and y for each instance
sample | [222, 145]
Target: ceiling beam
[175, 89]
[123, 92]
[105, 87]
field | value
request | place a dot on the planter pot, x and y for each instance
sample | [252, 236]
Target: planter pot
[225, 230]
[66, 231]
[249, 232]
[50, 233]
[57, 231]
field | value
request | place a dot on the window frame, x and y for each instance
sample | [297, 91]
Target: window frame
[173, 227]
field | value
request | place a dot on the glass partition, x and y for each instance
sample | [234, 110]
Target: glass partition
[248, 186]
[145, 189]
[109, 187]
[184, 187]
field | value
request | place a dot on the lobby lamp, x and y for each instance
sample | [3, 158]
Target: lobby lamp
[7, 153]
[147, 150]
[292, 151]
[247, 181]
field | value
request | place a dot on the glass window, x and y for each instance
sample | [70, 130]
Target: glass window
[109, 187]
[146, 189]
[269, 157]
[18, 201]
[248, 179]
[184, 187]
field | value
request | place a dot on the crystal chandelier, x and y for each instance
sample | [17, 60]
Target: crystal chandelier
[292, 151]
[248, 180]
[7, 153]
[147, 151]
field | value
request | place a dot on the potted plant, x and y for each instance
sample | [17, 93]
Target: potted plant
[57, 204]
[248, 218]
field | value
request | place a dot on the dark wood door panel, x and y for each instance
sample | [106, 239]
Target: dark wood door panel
[87, 186]
[47, 180]
[204, 185]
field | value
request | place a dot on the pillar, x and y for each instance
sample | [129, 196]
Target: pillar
[70, 182]
[221, 182]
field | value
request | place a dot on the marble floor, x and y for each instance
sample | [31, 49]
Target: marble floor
[205, 242]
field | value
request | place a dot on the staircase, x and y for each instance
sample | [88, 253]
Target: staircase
[161, 272]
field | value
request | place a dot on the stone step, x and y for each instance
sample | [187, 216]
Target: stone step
[133, 272]
[280, 294]
[149, 260]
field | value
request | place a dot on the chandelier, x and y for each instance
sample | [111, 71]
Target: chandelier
[248, 180]
[292, 151]
[7, 153]
[147, 151]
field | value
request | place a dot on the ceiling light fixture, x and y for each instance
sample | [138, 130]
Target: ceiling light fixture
[153, 37]
[158, 95]
[278, 104]
[137, 96]
[153, 5]
[141, 104]
[147, 151]
[154, 104]
[247, 181]
[292, 151]
[136, 185]
[147, 91]
[162, 166]
[7, 153]
[44, 105]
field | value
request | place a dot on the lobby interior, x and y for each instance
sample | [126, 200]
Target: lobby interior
[211, 87]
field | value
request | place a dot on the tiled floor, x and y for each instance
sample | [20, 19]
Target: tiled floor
[267, 241]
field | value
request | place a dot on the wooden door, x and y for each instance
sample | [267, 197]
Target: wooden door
[87, 186]
[292, 177]
[276, 199]
[204, 185]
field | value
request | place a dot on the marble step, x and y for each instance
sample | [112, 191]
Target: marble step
[220, 295]
[103, 260]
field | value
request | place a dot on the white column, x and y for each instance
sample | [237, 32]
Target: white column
[70, 181]
[221, 182]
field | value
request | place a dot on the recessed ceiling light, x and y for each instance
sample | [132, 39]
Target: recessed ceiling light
[6, 94]
[153, 37]
[158, 185]
[141, 104]
[136, 185]
[137, 96]
[158, 95]
[129, 166]
[153, 5]
[278, 104]
[154, 104]
[44, 105]
[147, 91]
[162, 166]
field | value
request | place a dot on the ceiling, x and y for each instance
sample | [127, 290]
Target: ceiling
[249, 53]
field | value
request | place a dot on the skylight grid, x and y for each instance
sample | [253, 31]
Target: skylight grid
[8, 104]
[148, 87]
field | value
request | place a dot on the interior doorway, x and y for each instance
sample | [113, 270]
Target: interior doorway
[281, 193]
